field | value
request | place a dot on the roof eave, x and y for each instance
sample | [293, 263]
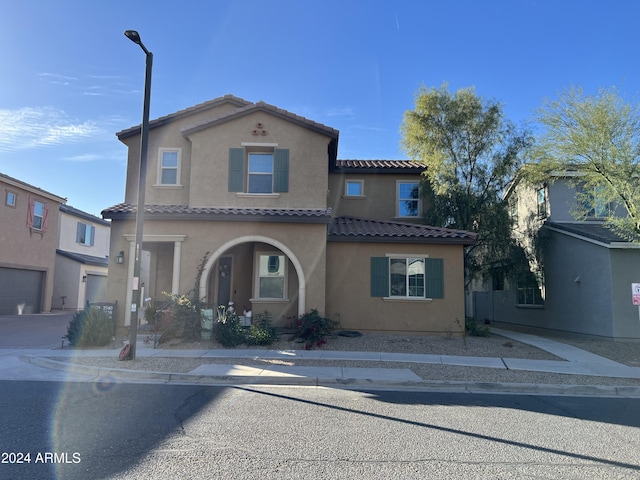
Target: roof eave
[159, 122]
[220, 217]
[399, 239]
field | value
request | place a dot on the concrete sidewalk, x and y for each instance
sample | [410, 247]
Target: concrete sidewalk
[37, 364]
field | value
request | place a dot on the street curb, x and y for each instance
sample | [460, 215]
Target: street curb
[114, 375]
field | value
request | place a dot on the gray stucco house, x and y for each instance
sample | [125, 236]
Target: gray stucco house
[580, 282]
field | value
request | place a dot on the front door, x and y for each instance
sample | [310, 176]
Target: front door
[224, 281]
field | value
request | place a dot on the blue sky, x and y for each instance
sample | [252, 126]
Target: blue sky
[70, 79]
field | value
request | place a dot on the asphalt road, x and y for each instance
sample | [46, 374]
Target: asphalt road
[120, 431]
[33, 331]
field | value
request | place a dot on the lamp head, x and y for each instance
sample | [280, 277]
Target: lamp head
[133, 36]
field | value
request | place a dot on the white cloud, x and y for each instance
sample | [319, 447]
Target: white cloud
[41, 127]
[56, 77]
[340, 112]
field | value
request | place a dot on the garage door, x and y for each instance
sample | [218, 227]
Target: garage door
[20, 287]
[96, 289]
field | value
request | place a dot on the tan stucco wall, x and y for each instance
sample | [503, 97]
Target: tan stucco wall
[379, 200]
[205, 161]
[306, 241]
[349, 291]
[308, 163]
[168, 136]
[24, 248]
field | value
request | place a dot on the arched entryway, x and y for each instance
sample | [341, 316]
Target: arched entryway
[217, 259]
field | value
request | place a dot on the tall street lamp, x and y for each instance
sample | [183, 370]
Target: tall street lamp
[142, 180]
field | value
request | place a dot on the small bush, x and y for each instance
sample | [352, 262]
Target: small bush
[312, 328]
[179, 318]
[261, 332]
[229, 332]
[90, 328]
[472, 328]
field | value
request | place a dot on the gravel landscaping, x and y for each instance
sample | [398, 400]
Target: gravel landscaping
[491, 346]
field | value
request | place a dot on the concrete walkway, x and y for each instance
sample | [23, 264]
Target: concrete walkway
[36, 364]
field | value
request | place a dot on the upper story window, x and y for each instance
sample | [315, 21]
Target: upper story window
[541, 200]
[593, 203]
[354, 188]
[513, 210]
[259, 170]
[11, 199]
[37, 215]
[169, 167]
[260, 173]
[408, 199]
[85, 234]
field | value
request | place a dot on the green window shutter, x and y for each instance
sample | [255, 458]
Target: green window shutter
[79, 232]
[93, 235]
[379, 277]
[281, 170]
[236, 169]
[434, 271]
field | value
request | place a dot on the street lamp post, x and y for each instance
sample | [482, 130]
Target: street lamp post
[142, 180]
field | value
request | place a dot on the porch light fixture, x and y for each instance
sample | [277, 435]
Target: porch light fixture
[84, 279]
[142, 180]
[120, 258]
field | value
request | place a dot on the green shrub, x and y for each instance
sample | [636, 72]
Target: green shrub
[262, 332]
[312, 328]
[472, 328]
[179, 317]
[229, 332]
[91, 327]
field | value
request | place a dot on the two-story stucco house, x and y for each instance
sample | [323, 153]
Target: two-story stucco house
[82, 259]
[28, 239]
[287, 226]
[579, 281]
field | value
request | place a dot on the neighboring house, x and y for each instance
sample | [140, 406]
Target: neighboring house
[82, 259]
[28, 239]
[580, 280]
[287, 227]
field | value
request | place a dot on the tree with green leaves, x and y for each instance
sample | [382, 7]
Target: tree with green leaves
[597, 139]
[470, 152]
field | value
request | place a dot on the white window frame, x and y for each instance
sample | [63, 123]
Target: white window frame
[541, 206]
[87, 234]
[10, 195]
[408, 286]
[528, 283]
[249, 173]
[36, 216]
[356, 182]
[257, 277]
[161, 168]
[398, 199]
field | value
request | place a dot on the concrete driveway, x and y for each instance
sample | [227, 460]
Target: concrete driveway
[33, 331]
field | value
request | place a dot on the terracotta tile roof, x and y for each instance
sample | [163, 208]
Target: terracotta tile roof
[244, 107]
[184, 212]
[344, 229]
[407, 164]
[240, 102]
[265, 107]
